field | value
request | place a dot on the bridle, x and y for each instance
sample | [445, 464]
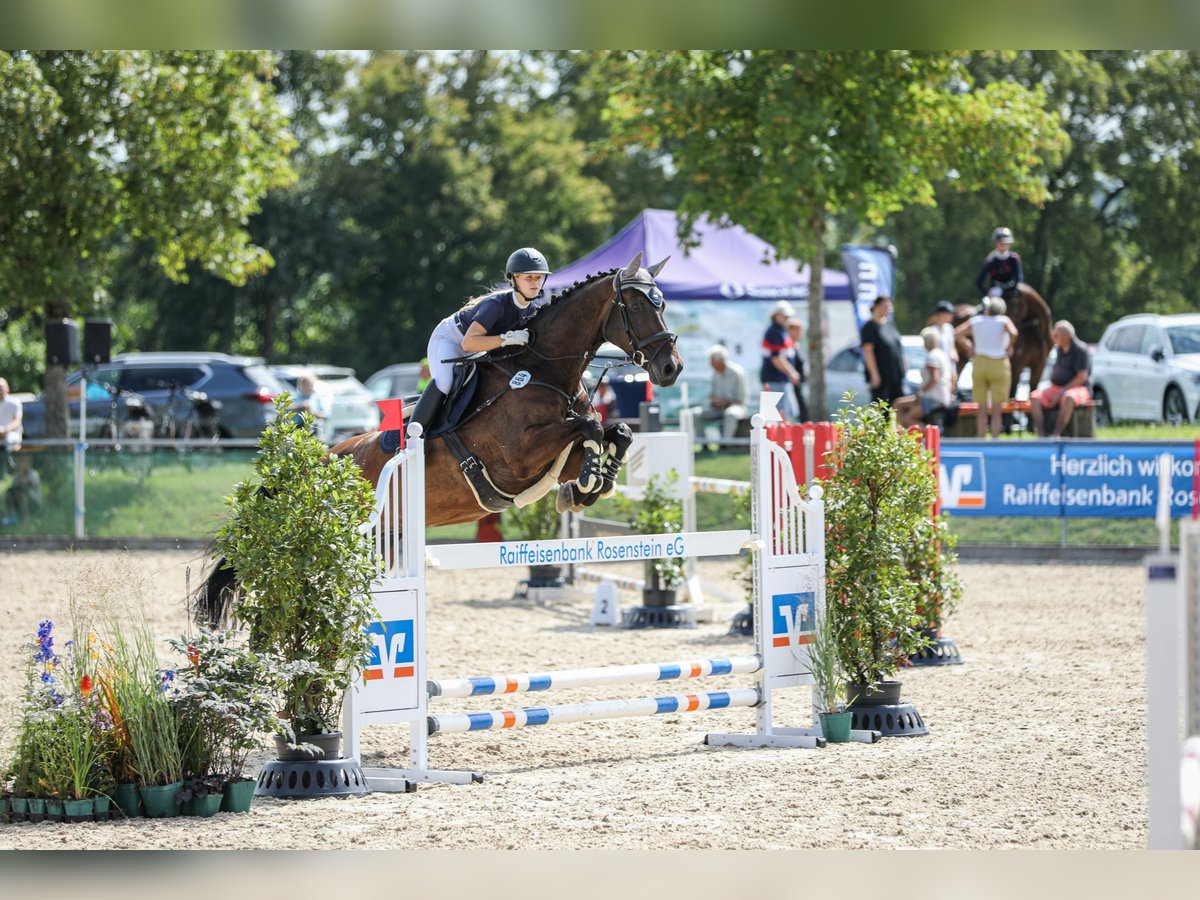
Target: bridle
[654, 297]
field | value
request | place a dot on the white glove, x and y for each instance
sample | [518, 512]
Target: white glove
[516, 338]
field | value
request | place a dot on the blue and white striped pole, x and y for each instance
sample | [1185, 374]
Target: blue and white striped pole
[528, 682]
[585, 712]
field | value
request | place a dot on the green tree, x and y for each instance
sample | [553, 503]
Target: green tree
[781, 141]
[174, 148]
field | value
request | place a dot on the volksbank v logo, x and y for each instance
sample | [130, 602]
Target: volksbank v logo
[392, 655]
[793, 617]
[961, 480]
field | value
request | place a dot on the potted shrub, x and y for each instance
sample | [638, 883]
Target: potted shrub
[540, 521]
[880, 491]
[657, 512]
[294, 536]
[931, 560]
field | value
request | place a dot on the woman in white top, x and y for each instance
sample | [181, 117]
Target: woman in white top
[935, 393]
[994, 336]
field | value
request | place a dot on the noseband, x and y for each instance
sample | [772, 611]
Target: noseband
[664, 338]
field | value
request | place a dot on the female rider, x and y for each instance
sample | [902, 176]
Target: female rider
[484, 323]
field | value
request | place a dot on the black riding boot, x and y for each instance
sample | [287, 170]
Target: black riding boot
[427, 407]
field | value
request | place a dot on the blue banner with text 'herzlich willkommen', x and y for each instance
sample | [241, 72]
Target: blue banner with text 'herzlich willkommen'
[1063, 479]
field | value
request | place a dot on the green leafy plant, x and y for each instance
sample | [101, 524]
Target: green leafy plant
[657, 512]
[540, 521]
[880, 491]
[931, 560]
[226, 703]
[295, 539]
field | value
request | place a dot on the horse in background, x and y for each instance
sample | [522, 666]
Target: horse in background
[1031, 314]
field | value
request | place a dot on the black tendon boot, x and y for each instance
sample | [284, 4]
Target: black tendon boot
[427, 407]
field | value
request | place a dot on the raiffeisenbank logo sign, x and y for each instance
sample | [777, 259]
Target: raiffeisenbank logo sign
[962, 481]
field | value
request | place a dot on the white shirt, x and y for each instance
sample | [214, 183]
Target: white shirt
[10, 411]
[937, 361]
[991, 337]
[946, 339]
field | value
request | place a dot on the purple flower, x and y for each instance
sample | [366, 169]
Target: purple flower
[47, 678]
[44, 647]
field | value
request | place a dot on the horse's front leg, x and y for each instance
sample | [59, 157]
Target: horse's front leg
[617, 439]
[585, 490]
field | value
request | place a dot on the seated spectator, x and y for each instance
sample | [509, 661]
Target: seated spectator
[24, 495]
[1068, 380]
[311, 399]
[727, 393]
[934, 398]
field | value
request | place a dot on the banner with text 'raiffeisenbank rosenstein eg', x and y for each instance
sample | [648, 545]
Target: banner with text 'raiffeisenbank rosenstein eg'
[1047, 478]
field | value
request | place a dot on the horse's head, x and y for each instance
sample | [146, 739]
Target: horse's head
[641, 331]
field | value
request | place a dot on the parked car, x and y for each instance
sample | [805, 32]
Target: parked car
[395, 381]
[352, 408]
[1147, 367]
[244, 385]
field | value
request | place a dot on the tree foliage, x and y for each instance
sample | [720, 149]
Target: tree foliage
[780, 141]
[172, 148]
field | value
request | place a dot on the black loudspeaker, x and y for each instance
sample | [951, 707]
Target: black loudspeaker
[97, 341]
[62, 343]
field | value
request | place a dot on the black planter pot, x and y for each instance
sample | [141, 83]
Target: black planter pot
[941, 651]
[329, 746]
[658, 598]
[545, 577]
[878, 694]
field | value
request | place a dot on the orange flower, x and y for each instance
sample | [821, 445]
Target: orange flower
[193, 655]
[85, 686]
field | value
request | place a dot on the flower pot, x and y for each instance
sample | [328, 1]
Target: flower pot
[129, 800]
[37, 809]
[658, 597]
[19, 810]
[54, 809]
[836, 727]
[329, 745]
[101, 807]
[237, 796]
[881, 693]
[545, 576]
[79, 810]
[159, 800]
[206, 806]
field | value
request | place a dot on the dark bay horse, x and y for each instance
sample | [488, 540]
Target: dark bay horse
[534, 437]
[1031, 314]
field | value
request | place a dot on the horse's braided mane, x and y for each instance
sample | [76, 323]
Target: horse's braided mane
[590, 279]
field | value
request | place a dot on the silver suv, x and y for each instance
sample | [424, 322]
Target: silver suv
[244, 385]
[1147, 367]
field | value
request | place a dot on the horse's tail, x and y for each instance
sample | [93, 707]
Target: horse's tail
[214, 600]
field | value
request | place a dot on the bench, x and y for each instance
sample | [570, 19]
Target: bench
[1082, 424]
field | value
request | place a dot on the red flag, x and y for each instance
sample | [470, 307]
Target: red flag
[393, 415]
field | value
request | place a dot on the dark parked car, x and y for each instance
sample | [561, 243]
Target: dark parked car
[244, 385]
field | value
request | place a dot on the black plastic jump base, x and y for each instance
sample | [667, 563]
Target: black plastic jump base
[311, 779]
[889, 719]
[743, 622]
[659, 617]
[943, 652]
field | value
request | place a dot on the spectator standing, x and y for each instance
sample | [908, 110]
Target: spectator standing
[11, 428]
[883, 353]
[795, 329]
[24, 495]
[777, 370]
[994, 336]
[727, 392]
[943, 317]
[311, 399]
[1068, 380]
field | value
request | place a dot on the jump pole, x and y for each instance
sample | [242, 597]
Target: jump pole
[789, 595]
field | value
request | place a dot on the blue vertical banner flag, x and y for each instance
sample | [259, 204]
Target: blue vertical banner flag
[872, 272]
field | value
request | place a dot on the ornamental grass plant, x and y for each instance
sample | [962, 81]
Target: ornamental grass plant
[879, 494]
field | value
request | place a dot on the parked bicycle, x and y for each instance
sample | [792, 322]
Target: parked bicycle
[188, 414]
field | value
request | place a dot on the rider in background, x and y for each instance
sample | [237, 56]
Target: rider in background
[484, 323]
[1002, 267]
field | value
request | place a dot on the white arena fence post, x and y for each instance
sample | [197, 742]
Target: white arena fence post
[789, 594]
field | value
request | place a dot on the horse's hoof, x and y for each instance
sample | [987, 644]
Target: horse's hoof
[564, 501]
